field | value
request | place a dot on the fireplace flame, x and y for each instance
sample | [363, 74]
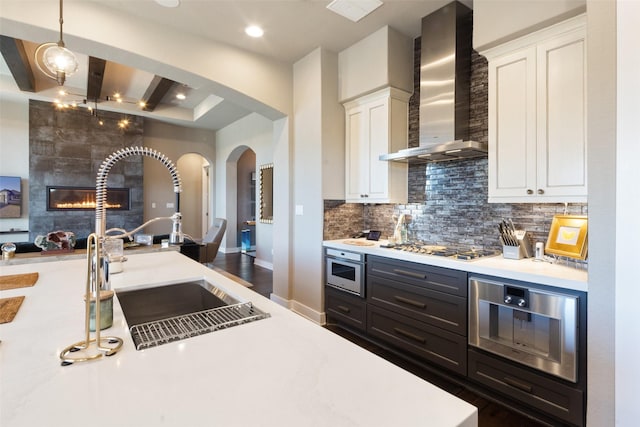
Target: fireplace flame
[85, 205]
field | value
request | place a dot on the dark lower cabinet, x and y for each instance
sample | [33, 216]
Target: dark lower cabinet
[346, 309]
[422, 312]
[550, 396]
[428, 342]
[419, 308]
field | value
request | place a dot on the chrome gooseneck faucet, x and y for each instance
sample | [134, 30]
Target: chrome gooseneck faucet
[98, 264]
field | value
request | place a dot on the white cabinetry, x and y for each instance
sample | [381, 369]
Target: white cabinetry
[376, 124]
[537, 116]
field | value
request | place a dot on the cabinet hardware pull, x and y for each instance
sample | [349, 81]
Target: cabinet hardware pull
[410, 301]
[410, 335]
[518, 384]
[410, 273]
[540, 191]
[529, 191]
[344, 308]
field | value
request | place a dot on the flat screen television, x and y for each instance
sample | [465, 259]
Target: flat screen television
[10, 197]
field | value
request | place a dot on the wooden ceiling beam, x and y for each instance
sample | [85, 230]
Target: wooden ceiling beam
[16, 58]
[157, 89]
[95, 76]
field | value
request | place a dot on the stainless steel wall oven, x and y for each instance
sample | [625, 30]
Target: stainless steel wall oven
[345, 271]
[533, 326]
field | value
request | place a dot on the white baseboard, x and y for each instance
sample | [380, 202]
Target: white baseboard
[316, 317]
[280, 301]
[264, 264]
[310, 314]
[229, 250]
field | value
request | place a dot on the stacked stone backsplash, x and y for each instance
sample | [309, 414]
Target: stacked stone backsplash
[66, 148]
[448, 200]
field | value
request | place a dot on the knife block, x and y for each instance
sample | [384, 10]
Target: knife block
[524, 248]
[513, 252]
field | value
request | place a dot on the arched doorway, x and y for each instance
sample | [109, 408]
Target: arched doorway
[195, 200]
[246, 202]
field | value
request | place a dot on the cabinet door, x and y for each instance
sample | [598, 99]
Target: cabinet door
[537, 116]
[357, 153]
[512, 118]
[344, 308]
[436, 345]
[376, 124]
[378, 143]
[562, 156]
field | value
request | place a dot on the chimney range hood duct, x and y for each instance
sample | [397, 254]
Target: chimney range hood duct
[445, 70]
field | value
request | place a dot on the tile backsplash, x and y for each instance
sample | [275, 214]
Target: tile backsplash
[448, 201]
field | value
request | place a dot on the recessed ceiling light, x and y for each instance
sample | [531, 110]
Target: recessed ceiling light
[181, 96]
[254, 31]
[168, 3]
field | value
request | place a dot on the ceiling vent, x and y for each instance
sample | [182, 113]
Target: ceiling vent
[354, 10]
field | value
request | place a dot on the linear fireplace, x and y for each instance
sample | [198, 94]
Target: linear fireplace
[84, 198]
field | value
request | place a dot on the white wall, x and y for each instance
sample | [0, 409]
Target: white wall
[382, 59]
[282, 211]
[627, 338]
[14, 159]
[173, 142]
[333, 132]
[315, 107]
[191, 166]
[255, 132]
[497, 21]
[601, 138]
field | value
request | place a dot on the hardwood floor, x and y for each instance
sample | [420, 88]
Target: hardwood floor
[243, 266]
[490, 414]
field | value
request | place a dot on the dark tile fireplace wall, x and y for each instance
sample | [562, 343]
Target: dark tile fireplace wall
[66, 148]
[447, 201]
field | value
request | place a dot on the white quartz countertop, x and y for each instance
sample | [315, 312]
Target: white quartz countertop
[280, 371]
[528, 270]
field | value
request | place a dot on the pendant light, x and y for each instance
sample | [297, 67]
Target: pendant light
[56, 61]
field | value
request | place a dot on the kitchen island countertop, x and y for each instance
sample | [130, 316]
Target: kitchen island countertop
[528, 270]
[279, 371]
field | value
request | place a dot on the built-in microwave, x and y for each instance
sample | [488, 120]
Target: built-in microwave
[345, 271]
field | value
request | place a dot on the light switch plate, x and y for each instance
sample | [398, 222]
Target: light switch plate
[299, 210]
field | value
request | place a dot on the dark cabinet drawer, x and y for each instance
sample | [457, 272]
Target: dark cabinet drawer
[433, 344]
[435, 278]
[550, 396]
[435, 308]
[345, 308]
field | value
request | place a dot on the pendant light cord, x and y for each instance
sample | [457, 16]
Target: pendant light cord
[61, 42]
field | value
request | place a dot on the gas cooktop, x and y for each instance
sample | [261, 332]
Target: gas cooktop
[464, 253]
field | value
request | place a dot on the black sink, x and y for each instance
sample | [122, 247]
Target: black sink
[162, 314]
[151, 304]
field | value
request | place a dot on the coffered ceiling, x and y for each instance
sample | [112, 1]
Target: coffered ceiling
[293, 28]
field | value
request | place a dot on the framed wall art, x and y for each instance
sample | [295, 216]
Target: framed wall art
[10, 197]
[568, 236]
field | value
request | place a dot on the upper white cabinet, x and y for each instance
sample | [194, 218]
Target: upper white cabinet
[376, 124]
[537, 116]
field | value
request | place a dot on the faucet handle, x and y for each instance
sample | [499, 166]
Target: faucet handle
[176, 237]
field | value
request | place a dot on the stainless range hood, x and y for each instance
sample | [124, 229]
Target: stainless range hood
[445, 70]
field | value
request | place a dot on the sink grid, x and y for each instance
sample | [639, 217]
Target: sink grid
[152, 334]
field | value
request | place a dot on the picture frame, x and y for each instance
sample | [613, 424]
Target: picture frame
[568, 236]
[10, 197]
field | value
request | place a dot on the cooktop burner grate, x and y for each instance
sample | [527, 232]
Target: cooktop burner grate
[461, 253]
